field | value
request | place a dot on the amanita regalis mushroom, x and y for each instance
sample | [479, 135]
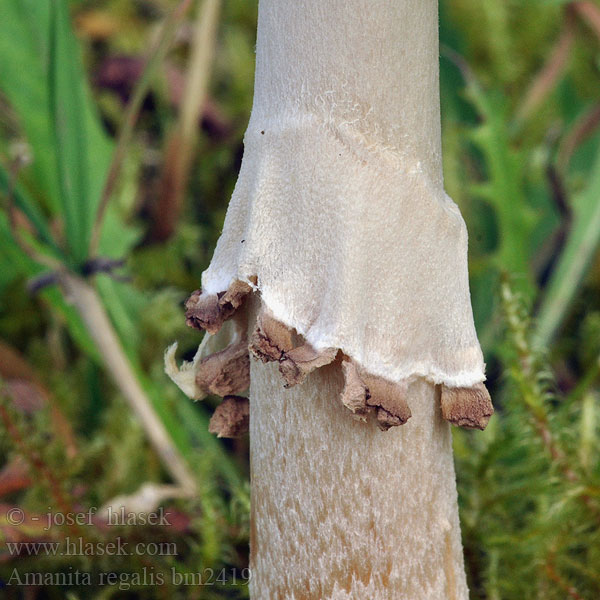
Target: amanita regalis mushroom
[343, 267]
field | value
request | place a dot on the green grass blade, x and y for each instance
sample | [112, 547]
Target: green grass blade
[23, 82]
[29, 208]
[575, 259]
[24, 64]
[67, 113]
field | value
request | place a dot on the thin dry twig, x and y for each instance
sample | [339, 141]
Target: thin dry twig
[584, 127]
[590, 13]
[178, 157]
[547, 78]
[155, 57]
[556, 578]
[88, 304]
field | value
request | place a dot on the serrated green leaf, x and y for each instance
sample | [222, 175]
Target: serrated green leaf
[503, 188]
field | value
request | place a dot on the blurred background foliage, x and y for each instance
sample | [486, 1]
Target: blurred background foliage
[99, 106]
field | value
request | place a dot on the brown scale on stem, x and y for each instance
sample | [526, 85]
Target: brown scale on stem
[210, 311]
[365, 393]
[271, 339]
[388, 400]
[231, 418]
[354, 394]
[228, 371]
[470, 407]
[298, 363]
[225, 372]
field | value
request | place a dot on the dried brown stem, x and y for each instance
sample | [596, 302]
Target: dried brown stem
[88, 304]
[584, 127]
[545, 81]
[570, 590]
[178, 158]
[590, 13]
[155, 56]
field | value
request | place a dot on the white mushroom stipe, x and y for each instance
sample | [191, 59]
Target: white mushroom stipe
[342, 510]
[339, 233]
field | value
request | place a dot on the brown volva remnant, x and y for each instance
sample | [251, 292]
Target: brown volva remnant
[467, 407]
[225, 372]
[202, 312]
[228, 371]
[365, 393]
[298, 363]
[209, 312]
[231, 418]
[271, 339]
[354, 394]
[389, 401]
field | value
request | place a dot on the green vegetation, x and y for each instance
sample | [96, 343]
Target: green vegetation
[521, 123]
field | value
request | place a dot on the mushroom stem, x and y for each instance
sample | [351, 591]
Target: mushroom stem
[351, 230]
[341, 230]
[343, 510]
